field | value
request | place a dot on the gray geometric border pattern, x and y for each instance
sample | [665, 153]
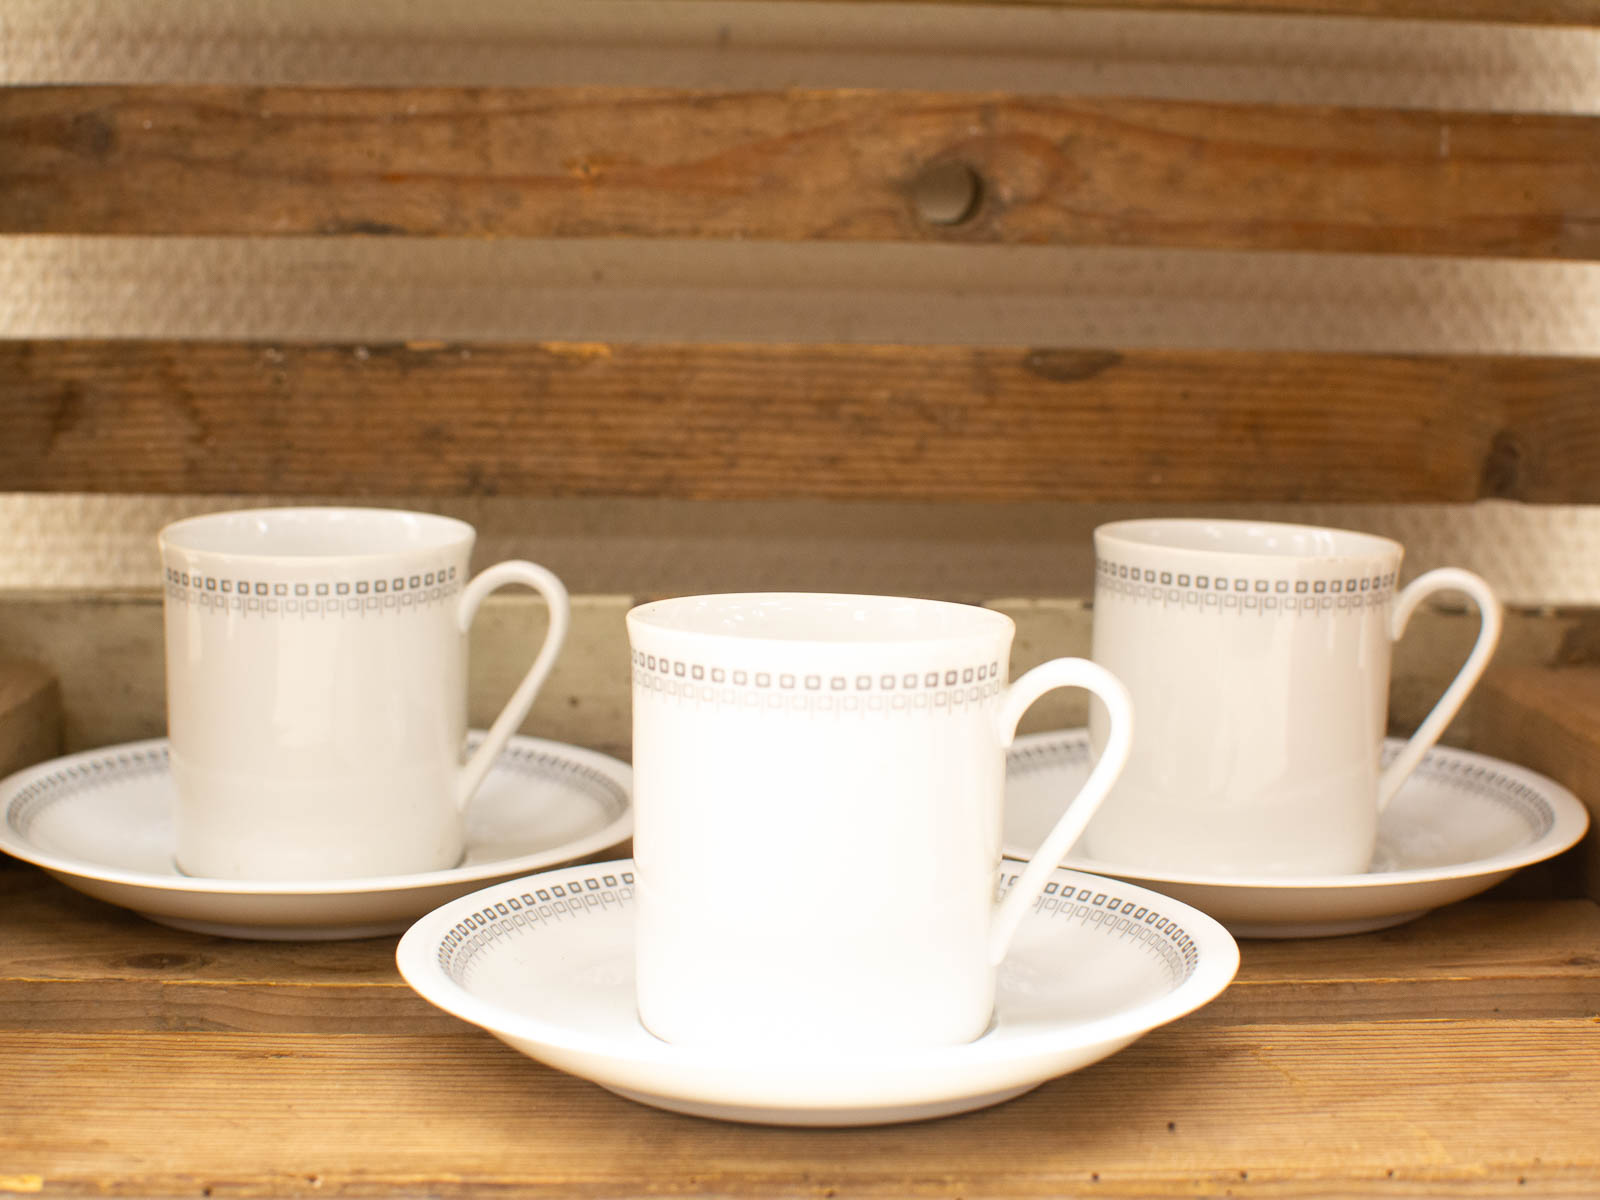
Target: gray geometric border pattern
[69, 780]
[124, 765]
[536, 908]
[1046, 755]
[1485, 782]
[1228, 594]
[541, 907]
[321, 598]
[532, 763]
[1156, 933]
[941, 689]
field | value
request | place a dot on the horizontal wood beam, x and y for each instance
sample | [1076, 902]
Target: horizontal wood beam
[796, 165]
[794, 421]
[74, 964]
[1530, 12]
[1192, 1107]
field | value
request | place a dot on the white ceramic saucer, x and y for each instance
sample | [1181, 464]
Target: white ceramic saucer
[1461, 823]
[546, 965]
[101, 822]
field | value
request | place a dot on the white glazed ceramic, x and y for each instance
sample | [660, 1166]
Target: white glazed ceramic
[547, 965]
[813, 730]
[1460, 823]
[102, 822]
[1258, 657]
[316, 689]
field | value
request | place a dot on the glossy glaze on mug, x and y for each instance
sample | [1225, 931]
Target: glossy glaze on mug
[1258, 656]
[316, 691]
[809, 733]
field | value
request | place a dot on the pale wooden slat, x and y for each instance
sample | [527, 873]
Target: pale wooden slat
[795, 421]
[1548, 718]
[1533, 12]
[71, 964]
[830, 165]
[1459, 1108]
[384, 290]
[1537, 557]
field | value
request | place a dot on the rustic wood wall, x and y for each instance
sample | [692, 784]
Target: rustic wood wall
[753, 293]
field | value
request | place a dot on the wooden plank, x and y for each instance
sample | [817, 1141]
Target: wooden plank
[30, 714]
[827, 165]
[1457, 1108]
[1529, 12]
[829, 422]
[1548, 718]
[71, 964]
[1477, 960]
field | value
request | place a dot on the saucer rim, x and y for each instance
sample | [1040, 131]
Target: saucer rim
[590, 844]
[1570, 824]
[416, 956]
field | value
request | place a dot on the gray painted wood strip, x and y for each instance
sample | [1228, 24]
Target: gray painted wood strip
[395, 289]
[777, 43]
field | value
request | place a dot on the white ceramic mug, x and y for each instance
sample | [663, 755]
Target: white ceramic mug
[317, 689]
[817, 791]
[1258, 657]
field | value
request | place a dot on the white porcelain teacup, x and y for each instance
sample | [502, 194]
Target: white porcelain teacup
[817, 789]
[1257, 655]
[316, 689]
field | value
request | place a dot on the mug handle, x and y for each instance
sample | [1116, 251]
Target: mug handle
[1019, 697]
[555, 596]
[1451, 579]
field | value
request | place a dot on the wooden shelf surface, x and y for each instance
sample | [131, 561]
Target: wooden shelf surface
[1394, 1108]
[73, 964]
[1458, 1054]
[1533, 12]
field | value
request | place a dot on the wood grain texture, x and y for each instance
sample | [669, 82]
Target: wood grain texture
[30, 714]
[1530, 12]
[795, 421]
[792, 165]
[72, 964]
[1397, 1108]
[1548, 719]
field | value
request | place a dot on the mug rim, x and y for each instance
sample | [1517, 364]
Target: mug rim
[669, 616]
[439, 532]
[1146, 534]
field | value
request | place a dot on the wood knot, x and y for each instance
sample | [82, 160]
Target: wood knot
[1505, 469]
